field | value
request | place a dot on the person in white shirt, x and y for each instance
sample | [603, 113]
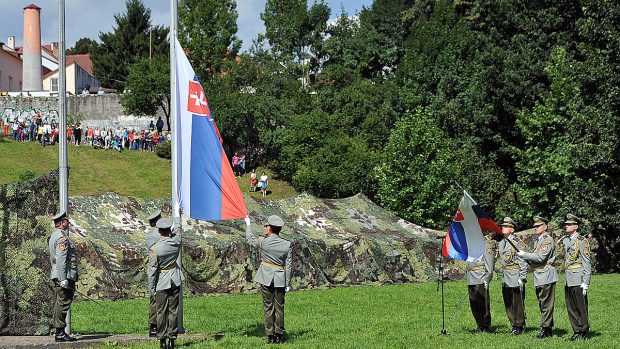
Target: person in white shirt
[264, 182]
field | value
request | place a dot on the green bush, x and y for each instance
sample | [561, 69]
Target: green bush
[164, 150]
[27, 175]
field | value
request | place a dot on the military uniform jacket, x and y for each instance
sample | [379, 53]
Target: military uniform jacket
[164, 272]
[276, 258]
[514, 267]
[151, 239]
[481, 270]
[577, 260]
[541, 260]
[63, 257]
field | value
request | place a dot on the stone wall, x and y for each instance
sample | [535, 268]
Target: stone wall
[97, 111]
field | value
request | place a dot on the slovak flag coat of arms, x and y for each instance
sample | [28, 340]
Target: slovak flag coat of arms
[206, 186]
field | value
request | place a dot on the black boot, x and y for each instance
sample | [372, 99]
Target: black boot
[162, 344]
[152, 330]
[543, 333]
[171, 343]
[278, 338]
[61, 336]
[575, 336]
[270, 339]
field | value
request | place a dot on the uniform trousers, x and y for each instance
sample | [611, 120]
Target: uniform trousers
[152, 311]
[513, 302]
[62, 303]
[167, 312]
[546, 300]
[273, 307]
[480, 304]
[577, 305]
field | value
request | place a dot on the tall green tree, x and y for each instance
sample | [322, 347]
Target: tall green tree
[148, 87]
[295, 32]
[83, 45]
[208, 31]
[132, 38]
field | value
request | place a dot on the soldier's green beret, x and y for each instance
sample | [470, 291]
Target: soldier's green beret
[508, 222]
[164, 223]
[538, 221]
[572, 219]
[155, 215]
[275, 221]
[60, 215]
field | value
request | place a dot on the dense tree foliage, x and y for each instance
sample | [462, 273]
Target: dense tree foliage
[207, 30]
[83, 45]
[133, 37]
[148, 87]
[408, 101]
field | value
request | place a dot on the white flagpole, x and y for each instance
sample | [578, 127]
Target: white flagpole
[176, 212]
[63, 171]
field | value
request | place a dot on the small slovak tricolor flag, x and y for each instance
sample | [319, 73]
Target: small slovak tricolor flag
[464, 239]
[206, 186]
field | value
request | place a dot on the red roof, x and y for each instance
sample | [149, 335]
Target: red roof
[83, 60]
[32, 6]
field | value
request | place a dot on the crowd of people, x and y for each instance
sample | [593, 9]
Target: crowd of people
[47, 132]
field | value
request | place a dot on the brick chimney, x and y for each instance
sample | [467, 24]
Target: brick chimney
[32, 80]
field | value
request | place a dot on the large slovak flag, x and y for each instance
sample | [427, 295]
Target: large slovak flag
[206, 186]
[464, 239]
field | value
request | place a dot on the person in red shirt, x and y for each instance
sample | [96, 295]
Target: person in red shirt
[131, 139]
[69, 134]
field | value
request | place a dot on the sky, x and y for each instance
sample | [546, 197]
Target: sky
[87, 18]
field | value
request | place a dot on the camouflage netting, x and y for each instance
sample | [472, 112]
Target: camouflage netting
[335, 242]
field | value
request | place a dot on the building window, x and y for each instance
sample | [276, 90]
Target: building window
[54, 85]
[10, 83]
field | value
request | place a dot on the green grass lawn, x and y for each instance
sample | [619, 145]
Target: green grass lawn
[395, 316]
[130, 173]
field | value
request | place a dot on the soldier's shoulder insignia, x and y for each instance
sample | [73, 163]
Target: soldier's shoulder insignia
[581, 237]
[545, 248]
[62, 246]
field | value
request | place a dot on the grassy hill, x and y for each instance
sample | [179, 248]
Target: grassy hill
[395, 316]
[91, 171]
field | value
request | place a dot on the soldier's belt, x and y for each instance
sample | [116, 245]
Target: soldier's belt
[170, 267]
[543, 267]
[272, 265]
[478, 267]
[511, 267]
[574, 266]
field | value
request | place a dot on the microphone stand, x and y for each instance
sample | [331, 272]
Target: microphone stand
[440, 280]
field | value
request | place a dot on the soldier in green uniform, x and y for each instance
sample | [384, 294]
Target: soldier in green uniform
[479, 275]
[64, 274]
[151, 238]
[514, 276]
[273, 275]
[578, 271]
[545, 274]
[165, 282]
